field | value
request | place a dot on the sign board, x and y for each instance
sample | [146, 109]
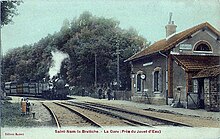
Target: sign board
[186, 46]
[147, 64]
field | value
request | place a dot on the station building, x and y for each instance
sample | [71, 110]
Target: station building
[182, 69]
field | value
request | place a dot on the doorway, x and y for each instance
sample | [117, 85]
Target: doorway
[201, 94]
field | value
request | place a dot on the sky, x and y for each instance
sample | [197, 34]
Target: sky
[38, 18]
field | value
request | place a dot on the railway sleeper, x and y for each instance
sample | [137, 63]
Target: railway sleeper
[80, 114]
[109, 113]
[167, 121]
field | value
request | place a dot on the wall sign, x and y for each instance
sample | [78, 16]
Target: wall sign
[147, 64]
[186, 46]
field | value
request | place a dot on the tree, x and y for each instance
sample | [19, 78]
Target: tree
[8, 11]
[84, 38]
[92, 35]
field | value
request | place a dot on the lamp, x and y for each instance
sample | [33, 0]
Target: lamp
[132, 75]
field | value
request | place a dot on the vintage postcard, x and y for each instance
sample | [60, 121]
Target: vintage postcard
[114, 69]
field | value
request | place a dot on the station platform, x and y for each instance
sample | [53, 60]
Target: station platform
[159, 108]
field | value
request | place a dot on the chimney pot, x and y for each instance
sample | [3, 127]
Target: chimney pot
[170, 27]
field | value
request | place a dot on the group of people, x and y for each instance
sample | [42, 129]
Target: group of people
[25, 106]
[102, 92]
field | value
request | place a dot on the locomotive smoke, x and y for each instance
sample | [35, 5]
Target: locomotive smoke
[57, 58]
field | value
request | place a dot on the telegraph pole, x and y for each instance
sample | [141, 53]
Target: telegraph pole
[1, 57]
[95, 70]
[118, 62]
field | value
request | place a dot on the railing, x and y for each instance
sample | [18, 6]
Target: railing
[189, 96]
[122, 95]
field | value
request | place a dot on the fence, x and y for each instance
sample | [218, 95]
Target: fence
[122, 95]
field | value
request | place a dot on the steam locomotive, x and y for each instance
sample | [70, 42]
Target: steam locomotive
[53, 89]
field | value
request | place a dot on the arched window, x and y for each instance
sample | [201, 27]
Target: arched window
[139, 81]
[139, 86]
[157, 80]
[202, 46]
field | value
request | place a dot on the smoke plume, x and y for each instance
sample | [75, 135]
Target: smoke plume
[57, 58]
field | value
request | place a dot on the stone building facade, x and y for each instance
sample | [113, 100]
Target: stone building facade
[209, 79]
[164, 72]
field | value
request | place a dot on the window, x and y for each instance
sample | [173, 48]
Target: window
[138, 82]
[202, 46]
[156, 81]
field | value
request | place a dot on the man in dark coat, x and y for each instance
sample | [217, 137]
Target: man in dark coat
[100, 93]
[109, 91]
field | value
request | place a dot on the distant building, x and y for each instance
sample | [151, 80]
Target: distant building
[184, 67]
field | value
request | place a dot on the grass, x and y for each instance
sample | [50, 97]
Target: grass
[11, 116]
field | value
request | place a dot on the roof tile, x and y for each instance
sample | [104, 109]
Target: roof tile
[164, 45]
[196, 62]
[209, 72]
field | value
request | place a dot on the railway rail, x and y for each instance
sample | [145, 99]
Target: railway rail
[167, 121]
[94, 123]
[70, 118]
[86, 110]
[54, 117]
[112, 108]
[101, 118]
[130, 120]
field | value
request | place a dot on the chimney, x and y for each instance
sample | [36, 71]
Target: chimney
[170, 27]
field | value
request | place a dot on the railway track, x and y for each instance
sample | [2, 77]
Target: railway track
[65, 116]
[54, 117]
[101, 118]
[159, 121]
[131, 120]
[99, 115]
[167, 121]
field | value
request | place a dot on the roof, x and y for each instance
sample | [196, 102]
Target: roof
[209, 72]
[169, 43]
[196, 62]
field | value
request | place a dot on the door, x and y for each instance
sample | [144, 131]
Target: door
[201, 93]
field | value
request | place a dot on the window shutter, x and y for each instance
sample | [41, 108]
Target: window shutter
[160, 80]
[153, 81]
[206, 86]
[195, 86]
[139, 82]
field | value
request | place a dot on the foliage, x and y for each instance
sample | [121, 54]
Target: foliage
[82, 39]
[8, 11]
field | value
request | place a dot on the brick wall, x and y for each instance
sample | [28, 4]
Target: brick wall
[212, 94]
[201, 35]
[158, 61]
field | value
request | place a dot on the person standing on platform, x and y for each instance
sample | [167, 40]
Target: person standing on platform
[100, 93]
[109, 92]
[23, 106]
[27, 106]
[83, 92]
[104, 92]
